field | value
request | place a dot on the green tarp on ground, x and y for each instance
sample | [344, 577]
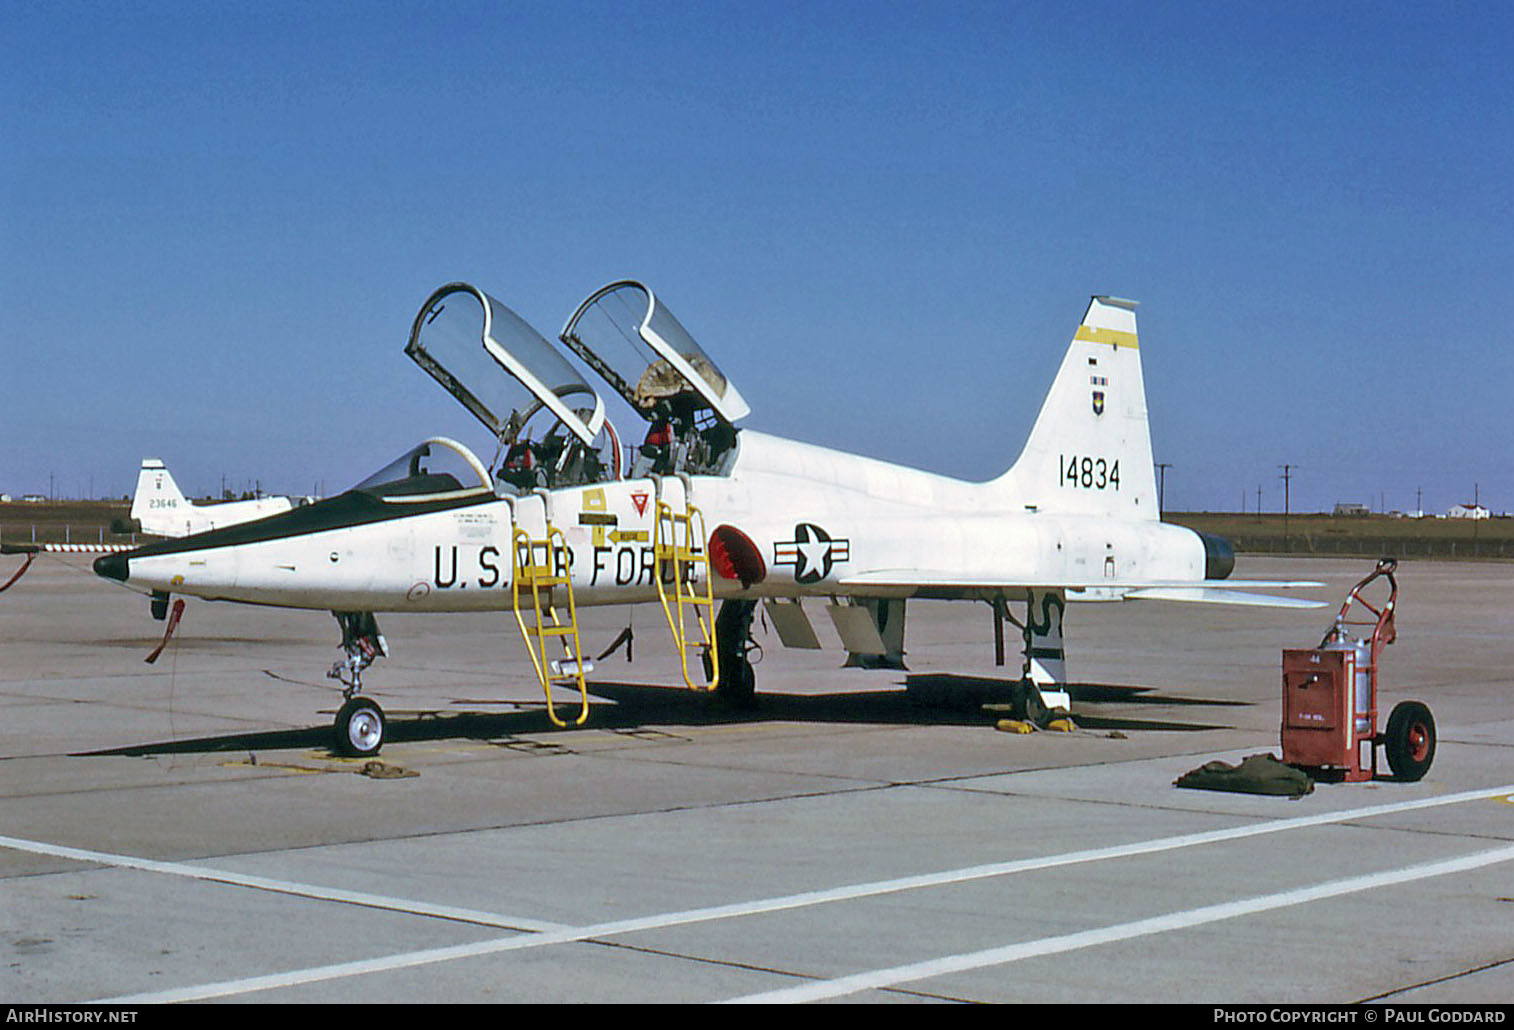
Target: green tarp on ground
[1257, 774]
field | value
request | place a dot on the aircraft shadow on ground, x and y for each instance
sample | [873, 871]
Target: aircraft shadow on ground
[949, 689]
[934, 699]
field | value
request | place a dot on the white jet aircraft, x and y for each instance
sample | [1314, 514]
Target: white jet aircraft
[161, 508]
[703, 513]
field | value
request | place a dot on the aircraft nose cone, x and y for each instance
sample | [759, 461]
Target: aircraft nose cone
[112, 566]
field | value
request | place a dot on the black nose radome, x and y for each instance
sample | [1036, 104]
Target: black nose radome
[112, 566]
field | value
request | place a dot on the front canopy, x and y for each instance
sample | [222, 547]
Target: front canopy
[501, 369]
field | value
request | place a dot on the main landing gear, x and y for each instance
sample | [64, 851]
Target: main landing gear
[733, 637]
[359, 728]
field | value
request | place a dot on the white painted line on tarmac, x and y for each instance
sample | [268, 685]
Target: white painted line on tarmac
[562, 935]
[304, 890]
[878, 978]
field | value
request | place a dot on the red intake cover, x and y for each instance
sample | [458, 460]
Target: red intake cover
[734, 556]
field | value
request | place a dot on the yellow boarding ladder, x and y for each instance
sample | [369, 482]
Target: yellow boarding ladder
[678, 554]
[543, 579]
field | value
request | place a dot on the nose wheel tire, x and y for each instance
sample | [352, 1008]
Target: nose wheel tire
[1409, 740]
[359, 729]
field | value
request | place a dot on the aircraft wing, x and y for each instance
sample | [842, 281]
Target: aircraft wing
[1213, 595]
[941, 583]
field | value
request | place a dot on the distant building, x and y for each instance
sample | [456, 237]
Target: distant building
[1352, 509]
[33, 498]
[1468, 511]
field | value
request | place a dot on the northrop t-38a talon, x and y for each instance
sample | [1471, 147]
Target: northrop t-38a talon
[708, 518]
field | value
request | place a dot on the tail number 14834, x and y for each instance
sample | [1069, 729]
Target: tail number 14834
[1087, 473]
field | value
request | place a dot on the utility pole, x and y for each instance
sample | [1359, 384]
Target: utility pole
[1162, 467]
[1259, 503]
[1285, 477]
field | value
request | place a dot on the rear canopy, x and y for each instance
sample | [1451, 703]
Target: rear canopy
[633, 341]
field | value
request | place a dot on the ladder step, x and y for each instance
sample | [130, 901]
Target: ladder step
[548, 576]
[677, 537]
[542, 586]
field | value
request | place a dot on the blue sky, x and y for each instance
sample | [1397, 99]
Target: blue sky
[882, 220]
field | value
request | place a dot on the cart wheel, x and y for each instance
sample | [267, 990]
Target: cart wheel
[1410, 740]
[359, 729]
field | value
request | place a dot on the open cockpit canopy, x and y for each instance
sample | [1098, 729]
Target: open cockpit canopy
[436, 469]
[624, 333]
[465, 338]
[631, 339]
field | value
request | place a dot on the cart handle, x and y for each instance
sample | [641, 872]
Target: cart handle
[1383, 632]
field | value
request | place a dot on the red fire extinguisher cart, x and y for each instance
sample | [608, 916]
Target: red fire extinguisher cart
[1330, 699]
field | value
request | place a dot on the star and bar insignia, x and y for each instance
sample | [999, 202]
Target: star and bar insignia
[812, 553]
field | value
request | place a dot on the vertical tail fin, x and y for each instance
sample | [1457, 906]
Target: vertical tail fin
[159, 505]
[1090, 450]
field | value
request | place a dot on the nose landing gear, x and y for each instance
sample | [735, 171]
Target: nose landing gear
[359, 728]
